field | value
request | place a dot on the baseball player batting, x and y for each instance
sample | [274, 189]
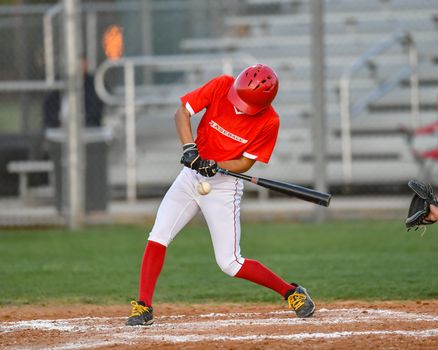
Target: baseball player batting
[238, 128]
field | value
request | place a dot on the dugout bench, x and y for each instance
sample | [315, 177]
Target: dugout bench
[26, 167]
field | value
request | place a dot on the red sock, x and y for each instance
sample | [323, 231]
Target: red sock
[254, 271]
[153, 260]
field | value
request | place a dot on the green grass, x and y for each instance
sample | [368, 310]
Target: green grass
[10, 115]
[339, 260]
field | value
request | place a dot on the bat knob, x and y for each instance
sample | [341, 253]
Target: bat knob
[326, 202]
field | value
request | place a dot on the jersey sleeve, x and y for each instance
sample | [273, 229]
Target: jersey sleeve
[261, 149]
[200, 98]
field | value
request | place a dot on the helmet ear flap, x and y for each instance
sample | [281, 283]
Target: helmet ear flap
[254, 89]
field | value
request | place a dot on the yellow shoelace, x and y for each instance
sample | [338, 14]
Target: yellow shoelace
[137, 309]
[296, 300]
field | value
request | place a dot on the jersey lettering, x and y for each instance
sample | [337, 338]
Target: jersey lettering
[216, 126]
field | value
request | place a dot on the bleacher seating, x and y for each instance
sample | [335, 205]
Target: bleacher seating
[277, 32]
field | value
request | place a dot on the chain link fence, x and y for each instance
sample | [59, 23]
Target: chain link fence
[140, 56]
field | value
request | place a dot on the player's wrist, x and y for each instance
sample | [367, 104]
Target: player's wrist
[189, 146]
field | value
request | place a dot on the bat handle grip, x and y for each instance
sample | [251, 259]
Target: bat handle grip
[222, 171]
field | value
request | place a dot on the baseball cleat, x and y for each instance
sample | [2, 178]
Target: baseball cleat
[140, 315]
[299, 300]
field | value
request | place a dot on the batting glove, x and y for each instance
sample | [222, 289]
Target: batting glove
[207, 168]
[190, 157]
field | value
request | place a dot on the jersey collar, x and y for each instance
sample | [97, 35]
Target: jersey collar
[237, 111]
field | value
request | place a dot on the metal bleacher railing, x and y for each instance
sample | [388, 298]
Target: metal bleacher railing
[349, 109]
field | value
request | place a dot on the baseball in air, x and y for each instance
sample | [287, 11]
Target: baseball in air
[203, 188]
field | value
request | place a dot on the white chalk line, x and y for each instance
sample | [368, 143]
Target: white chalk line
[323, 317]
[298, 336]
[164, 330]
[136, 338]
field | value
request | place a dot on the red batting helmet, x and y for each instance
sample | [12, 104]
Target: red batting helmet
[254, 89]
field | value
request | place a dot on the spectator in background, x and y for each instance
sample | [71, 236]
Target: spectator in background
[93, 104]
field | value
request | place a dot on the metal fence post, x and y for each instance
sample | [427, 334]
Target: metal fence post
[131, 152]
[92, 40]
[344, 87]
[318, 102]
[414, 90]
[74, 112]
[49, 60]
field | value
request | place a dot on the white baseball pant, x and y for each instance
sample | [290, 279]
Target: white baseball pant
[221, 209]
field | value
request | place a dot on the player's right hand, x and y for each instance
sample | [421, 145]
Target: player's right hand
[190, 157]
[207, 168]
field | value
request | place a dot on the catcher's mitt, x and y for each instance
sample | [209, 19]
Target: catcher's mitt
[419, 207]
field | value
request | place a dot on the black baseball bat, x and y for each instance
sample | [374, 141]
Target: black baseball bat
[301, 192]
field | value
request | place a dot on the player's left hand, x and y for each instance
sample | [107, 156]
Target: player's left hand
[190, 157]
[207, 168]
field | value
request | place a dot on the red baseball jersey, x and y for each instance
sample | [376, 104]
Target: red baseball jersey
[224, 133]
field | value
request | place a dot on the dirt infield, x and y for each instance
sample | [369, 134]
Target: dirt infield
[340, 325]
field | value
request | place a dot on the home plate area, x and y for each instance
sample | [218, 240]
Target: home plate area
[349, 325]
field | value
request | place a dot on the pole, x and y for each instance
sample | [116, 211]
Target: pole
[49, 52]
[347, 156]
[131, 147]
[414, 91]
[74, 99]
[146, 37]
[318, 102]
[92, 41]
